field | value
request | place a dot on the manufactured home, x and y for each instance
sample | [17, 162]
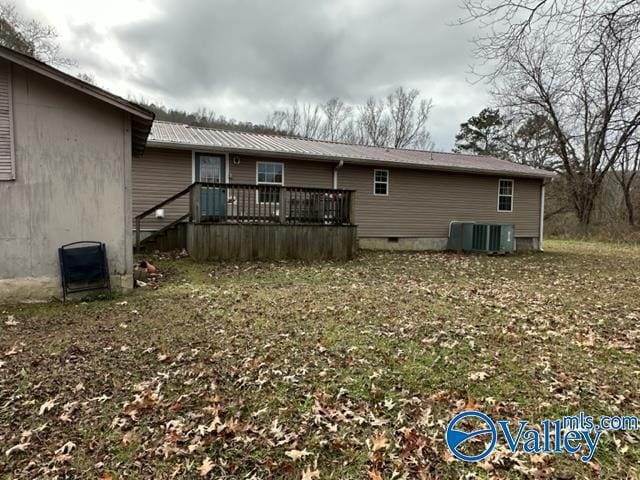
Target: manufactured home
[78, 163]
[398, 199]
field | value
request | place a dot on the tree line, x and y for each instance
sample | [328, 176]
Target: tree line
[531, 141]
[572, 67]
[563, 72]
[398, 120]
[30, 37]
[205, 117]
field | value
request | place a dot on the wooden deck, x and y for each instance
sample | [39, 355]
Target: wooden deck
[254, 222]
[207, 241]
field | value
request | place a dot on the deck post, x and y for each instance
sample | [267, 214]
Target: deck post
[194, 203]
[352, 207]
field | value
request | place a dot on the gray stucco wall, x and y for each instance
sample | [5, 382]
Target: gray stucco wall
[73, 182]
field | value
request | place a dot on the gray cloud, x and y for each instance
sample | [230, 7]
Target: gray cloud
[243, 57]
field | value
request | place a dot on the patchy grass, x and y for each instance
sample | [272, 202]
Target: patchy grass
[327, 370]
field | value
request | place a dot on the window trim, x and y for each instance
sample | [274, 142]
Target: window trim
[500, 180]
[375, 170]
[258, 163]
[198, 164]
[227, 174]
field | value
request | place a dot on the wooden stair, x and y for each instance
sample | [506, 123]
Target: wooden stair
[169, 237]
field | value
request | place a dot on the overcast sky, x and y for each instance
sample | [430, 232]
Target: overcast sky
[244, 58]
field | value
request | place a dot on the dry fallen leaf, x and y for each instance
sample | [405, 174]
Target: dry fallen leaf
[176, 470]
[374, 475]
[66, 448]
[297, 454]
[130, 437]
[20, 447]
[62, 458]
[46, 406]
[309, 474]
[12, 351]
[380, 442]
[206, 466]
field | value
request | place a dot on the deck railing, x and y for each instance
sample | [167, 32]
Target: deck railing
[262, 204]
[240, 203]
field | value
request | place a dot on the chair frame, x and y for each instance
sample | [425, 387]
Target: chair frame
[64, 273]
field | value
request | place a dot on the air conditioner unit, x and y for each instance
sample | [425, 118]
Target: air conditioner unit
[481, 237]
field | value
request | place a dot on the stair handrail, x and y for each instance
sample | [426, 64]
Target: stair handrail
[149, 211]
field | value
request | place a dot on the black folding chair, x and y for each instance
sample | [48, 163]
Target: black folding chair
[84, 267]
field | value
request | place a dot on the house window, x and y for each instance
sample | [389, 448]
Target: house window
[269, 173]
[505, 195]
[7, 156]
[381, 182]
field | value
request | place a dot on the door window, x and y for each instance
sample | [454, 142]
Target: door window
[210, 168]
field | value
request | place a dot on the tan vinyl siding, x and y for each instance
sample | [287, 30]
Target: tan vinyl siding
[157, 175]
[422, 203]
[7, 162]
[297, 173]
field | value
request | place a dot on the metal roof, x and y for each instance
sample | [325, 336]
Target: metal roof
[167, 134]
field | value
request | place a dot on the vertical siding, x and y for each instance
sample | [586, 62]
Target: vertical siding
[7, 164]
[297, 173]
[157, 175]
[422, 203]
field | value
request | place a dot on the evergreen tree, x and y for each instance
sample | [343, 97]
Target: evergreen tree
[483, 134]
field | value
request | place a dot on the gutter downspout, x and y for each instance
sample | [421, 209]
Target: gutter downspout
[541, 234]
[335, 173]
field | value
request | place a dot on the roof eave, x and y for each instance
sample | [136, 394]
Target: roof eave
[541, 174]
[75, 83]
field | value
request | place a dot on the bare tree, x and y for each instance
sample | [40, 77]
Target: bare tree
[276, 120]
[352, 132]
[531, 142]
[575, 63]
[408, 117]
[292, 119]
[374, 122]
[287, 121]
[30, 37]
[336, 114]
[625, 172]
[398, 120]
[311, 121]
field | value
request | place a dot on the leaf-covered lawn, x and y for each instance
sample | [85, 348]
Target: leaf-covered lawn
[326, 370]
